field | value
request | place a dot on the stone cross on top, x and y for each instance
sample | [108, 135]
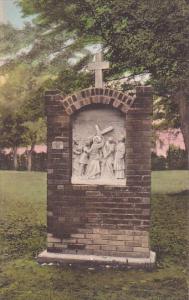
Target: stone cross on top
[98, 66]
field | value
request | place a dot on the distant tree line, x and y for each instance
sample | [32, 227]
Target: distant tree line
[176, 160]
[38, 161]
[140, 37]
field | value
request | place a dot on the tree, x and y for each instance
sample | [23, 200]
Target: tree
[21, 110]
[11, 133]
[12, 40]
[35, 133]
[142, 36]
[33, 64]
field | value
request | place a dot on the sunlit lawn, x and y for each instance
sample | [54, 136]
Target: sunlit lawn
[22, 237]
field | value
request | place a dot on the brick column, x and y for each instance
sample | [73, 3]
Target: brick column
[138, 149]
[58, 154]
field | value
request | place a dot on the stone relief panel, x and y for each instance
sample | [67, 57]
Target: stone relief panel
[98, 148]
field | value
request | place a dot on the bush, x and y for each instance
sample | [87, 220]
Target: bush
[158, 162]
[39, 161]
[5, 161]
[22, 162]
[176, 158]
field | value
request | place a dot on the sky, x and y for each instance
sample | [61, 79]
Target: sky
[10, 12]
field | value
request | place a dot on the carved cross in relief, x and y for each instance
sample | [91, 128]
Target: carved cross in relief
[100, 132]
[98, 66]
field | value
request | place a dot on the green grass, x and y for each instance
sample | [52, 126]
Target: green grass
[164, 182]
[22, 237]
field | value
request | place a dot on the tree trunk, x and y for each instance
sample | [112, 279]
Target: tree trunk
[15, 158]
[29, 158]
[183, 100]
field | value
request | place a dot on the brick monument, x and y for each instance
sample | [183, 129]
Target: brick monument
[99, 174]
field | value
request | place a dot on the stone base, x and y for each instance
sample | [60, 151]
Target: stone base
[50, 257]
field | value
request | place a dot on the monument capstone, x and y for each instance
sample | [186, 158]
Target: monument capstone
[99, 174]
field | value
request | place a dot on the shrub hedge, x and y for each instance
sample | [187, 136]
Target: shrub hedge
[176, 160]
[39, 161]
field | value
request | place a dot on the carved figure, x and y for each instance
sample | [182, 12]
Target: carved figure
[84, 159]
[94, 168]
[108, 158]
[119, 162]
[76, 154]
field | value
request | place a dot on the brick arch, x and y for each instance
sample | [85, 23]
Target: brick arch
[105, 96]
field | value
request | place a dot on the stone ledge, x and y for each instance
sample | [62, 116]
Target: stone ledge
[49, 257]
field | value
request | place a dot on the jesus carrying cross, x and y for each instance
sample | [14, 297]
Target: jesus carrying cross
[94, 167]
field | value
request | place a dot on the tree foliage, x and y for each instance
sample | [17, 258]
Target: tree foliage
[28, 72]
[139, 35]
[13, 40]
[11, 130]
[142, 36]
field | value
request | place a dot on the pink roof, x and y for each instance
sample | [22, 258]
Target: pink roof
[40, 148]
[21, 150]
[166, 138]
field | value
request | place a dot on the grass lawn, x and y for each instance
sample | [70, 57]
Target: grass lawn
[22, 237]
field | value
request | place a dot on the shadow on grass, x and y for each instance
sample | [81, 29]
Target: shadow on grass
[169, 227]
[182, 193]
[21, 237]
